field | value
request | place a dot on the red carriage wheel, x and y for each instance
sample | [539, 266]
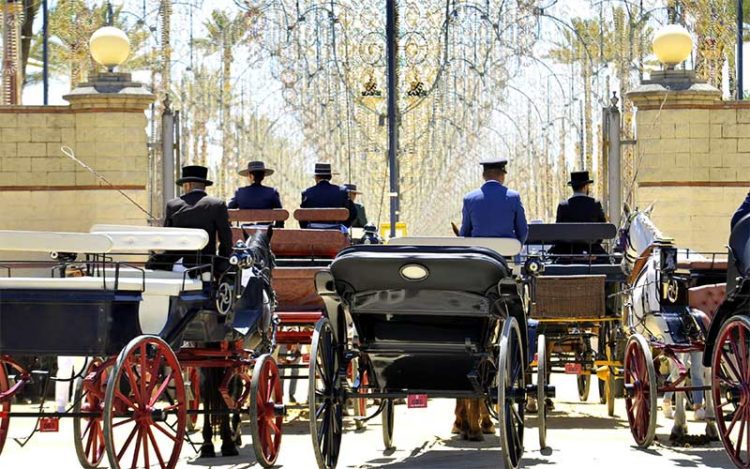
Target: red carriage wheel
[731, 388]
[640, 382]
[88, 432]
[266, 410]
[193, 395]
[144, 425]
[4, 406]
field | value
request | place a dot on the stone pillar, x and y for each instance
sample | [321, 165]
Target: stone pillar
[105, 126]
[692, 158]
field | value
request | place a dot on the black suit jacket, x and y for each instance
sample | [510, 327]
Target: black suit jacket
[579, 209]
[197, 210]
[326, 195]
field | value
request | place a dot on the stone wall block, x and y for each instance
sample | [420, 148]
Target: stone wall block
[85, 134]
[699, 145]
[32, 149]
[8, 150]
[722, 116]
[8, 120]
[40, 134]
[698, 130]
[15, 134]
[725, 145]
[17, 164]
[667, 130]
[722, 174]
[32, 120]
[60, 121]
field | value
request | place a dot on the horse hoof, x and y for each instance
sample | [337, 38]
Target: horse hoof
[711, 432]
[475, 437]
[488, 430]
[678, 433]
[456, 429]
[207, 451]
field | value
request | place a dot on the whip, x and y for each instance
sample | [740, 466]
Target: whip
[67, 151]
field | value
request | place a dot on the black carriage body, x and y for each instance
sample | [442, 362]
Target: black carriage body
[67, 322]
[430, 334]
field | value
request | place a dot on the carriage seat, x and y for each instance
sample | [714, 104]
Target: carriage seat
[707, 298]
[153, 286]
[610, 270]
[382, 267]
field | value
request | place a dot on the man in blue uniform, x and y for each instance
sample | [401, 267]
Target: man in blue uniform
[741, 212]
[256, 195]
[360, 220]
[326, 195]
[493, 210]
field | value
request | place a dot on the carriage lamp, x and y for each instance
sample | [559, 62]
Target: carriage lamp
[109, 46]
[672, 45]
[415, 272]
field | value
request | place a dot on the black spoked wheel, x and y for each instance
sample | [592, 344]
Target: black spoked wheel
[511, 393]
[387, 416]
[326, 397]
[541, 384]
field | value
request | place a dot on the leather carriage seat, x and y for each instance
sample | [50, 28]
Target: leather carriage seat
[291, 242]
[707, 298]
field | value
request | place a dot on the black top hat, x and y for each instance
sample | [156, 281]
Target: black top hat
[254, 166]
[194, 173]
[495, 163]
[323, 169]
[352, 188]
[579, 178]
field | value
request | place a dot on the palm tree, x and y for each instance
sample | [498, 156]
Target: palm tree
[224, 33]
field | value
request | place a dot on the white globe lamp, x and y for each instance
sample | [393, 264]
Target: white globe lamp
[109, 46]
[672, 45]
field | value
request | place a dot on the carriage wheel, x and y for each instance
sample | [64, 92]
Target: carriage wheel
[4, 406]
[387, 419]
[266, 410]
[326, 396]
[511, 393]
[541, 385]
[193, 395]
[731, 388]
[640, 401]
[360, 405]
[144, 424]
[89, 441]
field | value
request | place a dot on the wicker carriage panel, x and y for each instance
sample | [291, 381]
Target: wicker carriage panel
[573, 296]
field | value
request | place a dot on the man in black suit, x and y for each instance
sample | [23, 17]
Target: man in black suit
[326, 195]
[195, 209]
[579, 208]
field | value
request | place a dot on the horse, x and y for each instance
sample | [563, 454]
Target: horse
[472, 419]
[646, 314]
[255, 262]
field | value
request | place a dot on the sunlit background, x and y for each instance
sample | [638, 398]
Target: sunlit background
[293, 82]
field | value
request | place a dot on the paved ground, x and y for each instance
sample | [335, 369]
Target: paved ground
[580, 436]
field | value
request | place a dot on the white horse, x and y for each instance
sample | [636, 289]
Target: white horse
[643, 314]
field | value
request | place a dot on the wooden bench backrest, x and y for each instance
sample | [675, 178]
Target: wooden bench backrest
[295, 288]
[289, 242]
[321, 214]
[258, 216]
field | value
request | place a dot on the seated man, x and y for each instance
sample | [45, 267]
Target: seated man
[360, 220]
[326, 195]
[579, 208]
[256, 195]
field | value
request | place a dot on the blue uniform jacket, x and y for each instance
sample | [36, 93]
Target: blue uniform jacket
[255, 196]
[494, 211]
[743, 210]
[326, 195]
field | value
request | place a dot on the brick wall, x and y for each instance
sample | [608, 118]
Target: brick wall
[42, 189]
[693, 163]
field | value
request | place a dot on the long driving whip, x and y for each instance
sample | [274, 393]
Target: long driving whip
[67, 151]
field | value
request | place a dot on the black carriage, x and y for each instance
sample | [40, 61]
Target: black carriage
[131, 401]
[445, 320]
[574, 303]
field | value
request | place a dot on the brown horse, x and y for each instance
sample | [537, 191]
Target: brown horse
[472, 419]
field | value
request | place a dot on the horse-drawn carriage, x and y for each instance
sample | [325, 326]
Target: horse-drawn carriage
[573, 301]
[300, 253]
[427, 301]
[140, 330]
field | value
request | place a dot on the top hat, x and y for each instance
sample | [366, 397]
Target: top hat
[578, 178]
[254, 166]
[495, 163]
[194, 173]
[323, 169]
[351, 188]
